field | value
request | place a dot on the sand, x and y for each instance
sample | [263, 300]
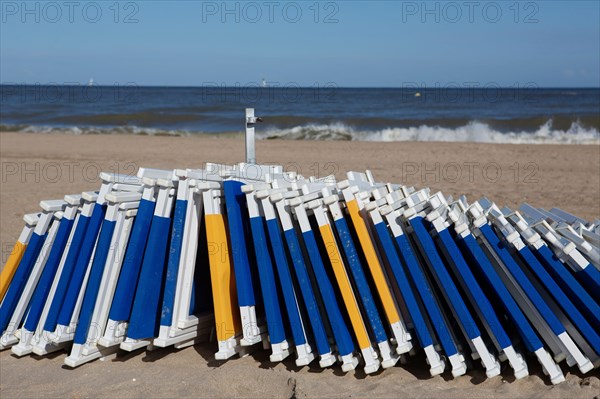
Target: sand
[37, 167]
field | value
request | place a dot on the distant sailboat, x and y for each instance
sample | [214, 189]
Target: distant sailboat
[91, 82]
[263, 83]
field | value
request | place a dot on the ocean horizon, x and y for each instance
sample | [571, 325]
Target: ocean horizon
[524, 114]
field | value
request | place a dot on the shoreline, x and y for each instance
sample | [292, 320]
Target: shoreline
[236, 134]
[474, 131]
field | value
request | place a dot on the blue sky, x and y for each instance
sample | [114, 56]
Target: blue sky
[345, 43]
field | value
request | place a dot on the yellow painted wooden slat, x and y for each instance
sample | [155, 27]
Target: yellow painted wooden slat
[373, 261]
[227, 318]
[11, 267]
[341, 276]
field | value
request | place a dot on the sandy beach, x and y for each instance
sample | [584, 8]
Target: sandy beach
[37, 167]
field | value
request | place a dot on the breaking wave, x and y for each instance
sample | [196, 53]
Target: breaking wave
[473, 131]
[134, 130]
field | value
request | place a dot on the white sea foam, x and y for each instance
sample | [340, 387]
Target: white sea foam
[472, 132]
[133, 130]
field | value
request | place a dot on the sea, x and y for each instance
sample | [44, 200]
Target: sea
[325, 112]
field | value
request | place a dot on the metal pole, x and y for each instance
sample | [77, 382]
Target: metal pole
[250, 148]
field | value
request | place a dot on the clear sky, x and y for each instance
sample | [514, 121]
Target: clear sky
[345, 43]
